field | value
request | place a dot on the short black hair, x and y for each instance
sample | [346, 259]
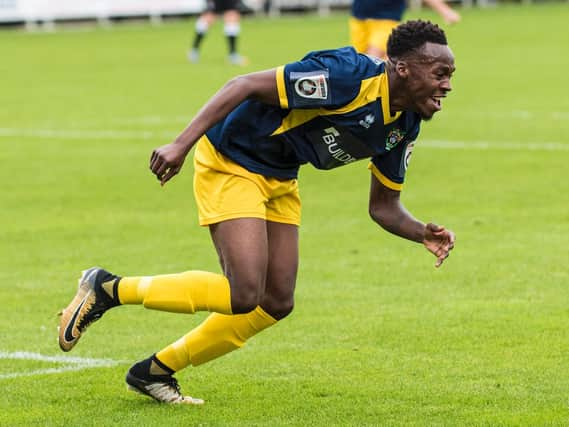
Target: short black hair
[411, 35]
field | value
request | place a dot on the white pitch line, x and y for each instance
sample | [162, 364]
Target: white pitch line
[84, 134]
[487, 145]
[491, 114]
[153, 120]
[46, 371]
[24, 355]
[165, 135]
[67, 363]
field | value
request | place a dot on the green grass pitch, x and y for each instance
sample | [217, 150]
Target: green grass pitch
[378, 336]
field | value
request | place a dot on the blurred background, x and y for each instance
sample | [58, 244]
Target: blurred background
[46, 13]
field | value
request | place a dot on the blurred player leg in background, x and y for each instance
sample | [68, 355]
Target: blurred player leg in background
[231, 29]
[370, 35]
[372, 21]
[203, 24]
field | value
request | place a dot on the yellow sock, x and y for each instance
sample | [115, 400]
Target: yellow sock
[217, 335]
[181, 293]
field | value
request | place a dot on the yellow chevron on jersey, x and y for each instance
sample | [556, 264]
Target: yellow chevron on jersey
[333, 110]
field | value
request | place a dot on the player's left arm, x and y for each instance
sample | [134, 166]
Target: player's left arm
[386, 209]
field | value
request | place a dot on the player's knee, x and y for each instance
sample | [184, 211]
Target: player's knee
[243, 304]
[202, 25]
[232, 29]
[245, 295]
[279, 304]
[281, 309]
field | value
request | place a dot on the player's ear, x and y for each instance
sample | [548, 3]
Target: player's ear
[402, 68]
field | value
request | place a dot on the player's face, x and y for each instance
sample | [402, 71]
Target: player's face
[429, 78]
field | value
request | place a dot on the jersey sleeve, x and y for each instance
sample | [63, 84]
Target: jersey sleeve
[390, 168]
[328, 79]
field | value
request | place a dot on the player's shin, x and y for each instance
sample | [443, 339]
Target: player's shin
[217, 335]
[186, 292]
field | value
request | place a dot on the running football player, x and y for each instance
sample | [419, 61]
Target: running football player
[329, 109]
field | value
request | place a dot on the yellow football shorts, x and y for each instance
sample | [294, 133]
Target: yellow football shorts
[370, 32]
[225, 190]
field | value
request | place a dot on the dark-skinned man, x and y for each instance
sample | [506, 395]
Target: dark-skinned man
[329, 109]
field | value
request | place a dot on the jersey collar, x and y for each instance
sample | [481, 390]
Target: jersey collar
[384, 93]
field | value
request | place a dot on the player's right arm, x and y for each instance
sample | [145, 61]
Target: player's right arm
[166, 161]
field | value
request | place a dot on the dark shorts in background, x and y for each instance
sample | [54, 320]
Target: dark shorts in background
[220, 6]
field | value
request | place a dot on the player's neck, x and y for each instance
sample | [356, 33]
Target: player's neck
[397, 96]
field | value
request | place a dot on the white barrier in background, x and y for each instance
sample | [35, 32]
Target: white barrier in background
[51, 10]
[48, 11]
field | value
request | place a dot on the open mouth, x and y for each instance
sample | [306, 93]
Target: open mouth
[437, 100]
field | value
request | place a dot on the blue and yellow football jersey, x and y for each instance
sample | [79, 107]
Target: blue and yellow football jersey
[334, 110]
[378, 9]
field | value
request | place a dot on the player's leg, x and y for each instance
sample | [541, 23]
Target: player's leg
[203, 23]
[219, 334]
[185, 292]
[283, 219]
[239, 196]
[216, 175]
[244, 243]
[232, 30]
[278, 300]
[380, 30]
[358, 34]
[242, 246]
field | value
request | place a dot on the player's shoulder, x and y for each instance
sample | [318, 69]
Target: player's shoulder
[347, 59]
[341, 52]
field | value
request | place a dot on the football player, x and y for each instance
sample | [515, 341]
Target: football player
[329, 109]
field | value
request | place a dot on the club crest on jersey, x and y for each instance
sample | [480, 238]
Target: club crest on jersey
[394, 137]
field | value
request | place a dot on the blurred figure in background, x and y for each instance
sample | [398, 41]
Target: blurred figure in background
[372, 21]
[230, 9]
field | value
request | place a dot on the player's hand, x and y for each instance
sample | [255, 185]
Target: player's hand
[451, 17]
[166, 161]
[439, 241]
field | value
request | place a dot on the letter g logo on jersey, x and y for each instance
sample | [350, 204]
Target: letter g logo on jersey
[408, 152]
[309, 88]
[312, 87]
